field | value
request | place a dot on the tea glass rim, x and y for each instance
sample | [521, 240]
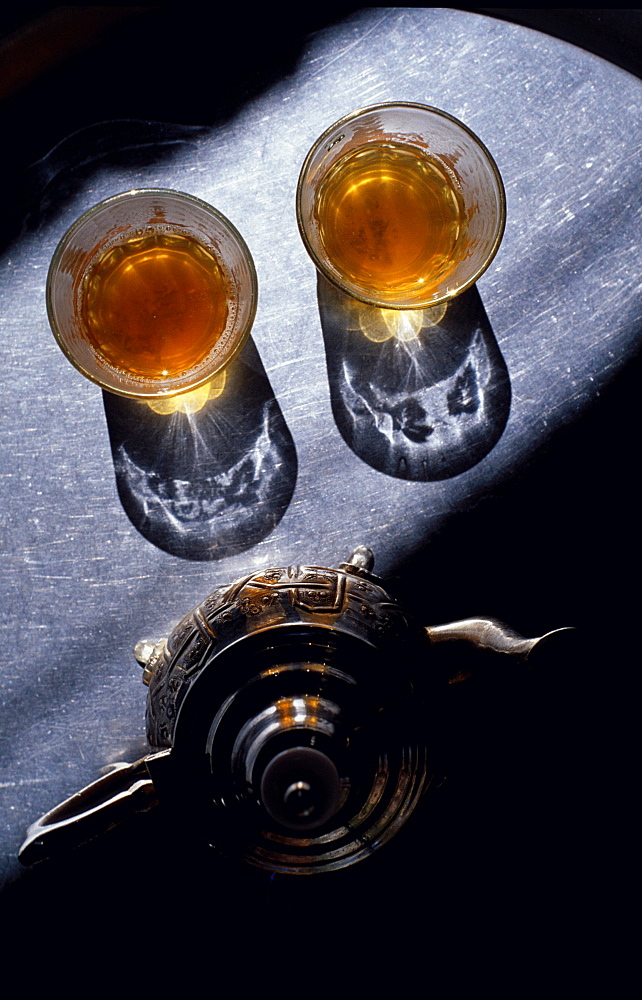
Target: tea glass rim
[65, 239]
[334, 278]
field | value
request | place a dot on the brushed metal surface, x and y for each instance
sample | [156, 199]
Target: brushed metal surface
[80, 583]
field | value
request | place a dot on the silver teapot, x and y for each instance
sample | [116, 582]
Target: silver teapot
[288, 718]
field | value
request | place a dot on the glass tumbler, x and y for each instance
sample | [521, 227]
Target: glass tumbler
[401, 206]
[151, 293]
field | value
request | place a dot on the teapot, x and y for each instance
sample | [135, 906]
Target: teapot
[289, 720]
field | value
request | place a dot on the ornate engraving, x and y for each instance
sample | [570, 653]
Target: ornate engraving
[328, 595]
[225, 616]
[213, 602]
[274, 596]
[180, 634]
[271, 576]
[192, 656]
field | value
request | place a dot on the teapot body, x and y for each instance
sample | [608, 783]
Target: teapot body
[288, 699]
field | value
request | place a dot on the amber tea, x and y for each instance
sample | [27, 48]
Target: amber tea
[400, 205]
[155, 305]
[151, 293]
[391, 219]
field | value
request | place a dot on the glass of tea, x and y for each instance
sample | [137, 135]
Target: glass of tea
[401, 206]
[151, 293]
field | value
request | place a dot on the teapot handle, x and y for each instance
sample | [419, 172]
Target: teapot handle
[124, 790]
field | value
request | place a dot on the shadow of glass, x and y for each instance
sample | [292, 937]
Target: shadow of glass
[422, 394]
[212, 482]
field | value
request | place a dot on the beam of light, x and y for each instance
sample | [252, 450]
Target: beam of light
[192, 401]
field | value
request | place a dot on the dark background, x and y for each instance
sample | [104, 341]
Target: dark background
[522, 860]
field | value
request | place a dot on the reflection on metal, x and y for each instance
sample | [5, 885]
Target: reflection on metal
[210, 474]
[280, 733]
[423, 395]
